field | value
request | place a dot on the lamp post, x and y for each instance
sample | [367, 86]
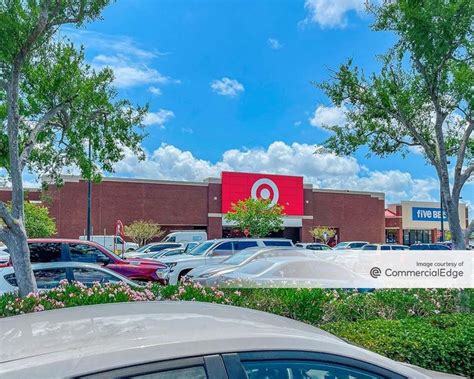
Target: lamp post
[89, 195]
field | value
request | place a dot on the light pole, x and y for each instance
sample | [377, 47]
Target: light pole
[89, 194]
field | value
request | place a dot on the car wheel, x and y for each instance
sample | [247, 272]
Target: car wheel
[182, 274]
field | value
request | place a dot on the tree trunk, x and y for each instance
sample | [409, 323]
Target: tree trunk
[15, 237]
[20, 255]
[457, 235]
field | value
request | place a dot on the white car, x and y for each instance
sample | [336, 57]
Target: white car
[208, 274]
[185, 340]
[350, 245]
[300, 272]
[186, 236]
[48, 275]
[314, 246]
[215, 251]
[385, 246]
[108, 242]
[147, 250]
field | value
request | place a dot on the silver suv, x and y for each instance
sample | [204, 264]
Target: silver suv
[215, 251]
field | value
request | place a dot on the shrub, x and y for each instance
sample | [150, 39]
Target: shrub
[442, 343]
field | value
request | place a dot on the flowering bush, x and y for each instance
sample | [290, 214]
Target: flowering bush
[72, 294]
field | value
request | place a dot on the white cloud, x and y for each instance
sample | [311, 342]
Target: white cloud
[274, 44]
[297, 123]
[328, 116]
[324, 170]
[128, 73]
[331, 13]
[131, 64]
[227, 87]
[158, 118]
[155, 91]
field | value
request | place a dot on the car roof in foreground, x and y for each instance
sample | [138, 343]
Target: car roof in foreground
[74, 341]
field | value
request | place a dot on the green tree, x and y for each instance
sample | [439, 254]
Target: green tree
[143, 231]
[322, 233]
[257, 216]
[52, 105]
[38, 222]
[421, 98]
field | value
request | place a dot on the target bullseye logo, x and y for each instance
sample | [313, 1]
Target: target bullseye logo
[264, 189]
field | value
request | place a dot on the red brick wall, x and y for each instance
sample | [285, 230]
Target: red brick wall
[357, 216]
[172, 206]
[176, 206]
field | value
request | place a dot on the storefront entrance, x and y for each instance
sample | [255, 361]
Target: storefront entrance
[411, 237]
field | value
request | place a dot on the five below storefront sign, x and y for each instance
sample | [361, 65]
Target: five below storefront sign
[427, 214]
[286, 191]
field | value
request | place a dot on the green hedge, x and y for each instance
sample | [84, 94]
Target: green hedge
[442, 343]
[429, 328]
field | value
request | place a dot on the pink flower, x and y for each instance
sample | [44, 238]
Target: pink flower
[219, 294]
[39, 308]
[32, 295]
[181, 290]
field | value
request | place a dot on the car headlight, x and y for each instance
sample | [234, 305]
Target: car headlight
[162, 272]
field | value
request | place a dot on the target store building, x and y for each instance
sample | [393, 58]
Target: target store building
[183, 205]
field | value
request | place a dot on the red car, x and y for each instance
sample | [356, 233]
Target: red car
[58, 249]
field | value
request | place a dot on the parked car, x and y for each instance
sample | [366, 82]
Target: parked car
[108, 242]
[151, 248]
[195, 340]
[167, 253]
[290, 272]
[49, 275]
[215, 251]
[69, 250]
[207, 274]
[350, 245]
[186, 236]
[385, 246]
[313, 246]
[429, 246]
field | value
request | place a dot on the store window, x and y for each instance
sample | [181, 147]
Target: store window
[411, 237]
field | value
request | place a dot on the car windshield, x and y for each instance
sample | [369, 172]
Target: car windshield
[142, 249]
[201, 249]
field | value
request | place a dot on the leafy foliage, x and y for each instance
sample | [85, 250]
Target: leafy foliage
[142, 232]
[38, 222]
[54, 107]
[441, 343]
[257, 216]
[421, 98]
[322, 233]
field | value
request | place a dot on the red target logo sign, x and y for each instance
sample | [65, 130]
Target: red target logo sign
[284, 190]
[265, 189]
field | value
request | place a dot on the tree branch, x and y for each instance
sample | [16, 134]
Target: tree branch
[462, 149]
[6, 216]
[25, 154]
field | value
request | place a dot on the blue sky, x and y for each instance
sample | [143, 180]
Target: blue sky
[228, 84]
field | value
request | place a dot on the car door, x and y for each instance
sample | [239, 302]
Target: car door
[206, 367]
[301, 365]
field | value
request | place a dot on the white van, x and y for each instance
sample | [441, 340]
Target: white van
[108, 242]
[186, 236]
